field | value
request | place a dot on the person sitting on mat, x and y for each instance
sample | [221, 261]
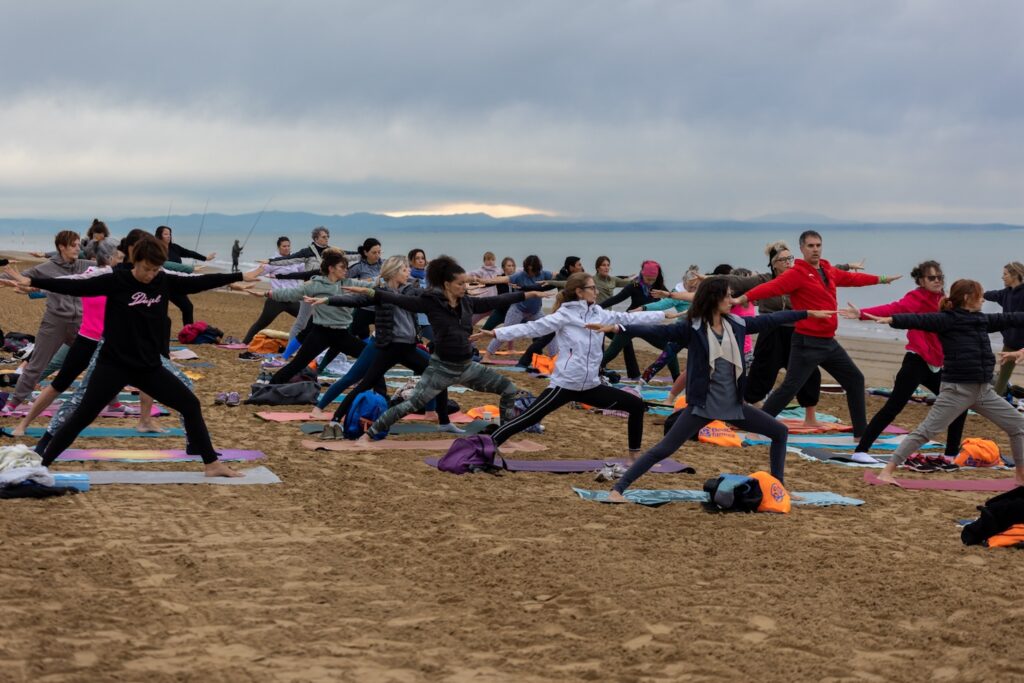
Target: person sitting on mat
[577, 375]
[967, 374]
[715, 375]
[922, 364]
[134, 335]
[395, 338]
[450, 312]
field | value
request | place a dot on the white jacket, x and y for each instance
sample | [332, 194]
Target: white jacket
[579, 349]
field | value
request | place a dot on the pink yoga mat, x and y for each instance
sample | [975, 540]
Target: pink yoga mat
[499, 361]
[457, 418]
[947, 484]
[524, 446]
[157, 411]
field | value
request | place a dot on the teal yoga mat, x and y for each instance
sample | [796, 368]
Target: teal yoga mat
[112, 433]
[657, 497]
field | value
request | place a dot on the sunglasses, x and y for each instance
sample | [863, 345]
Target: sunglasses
[935, 278]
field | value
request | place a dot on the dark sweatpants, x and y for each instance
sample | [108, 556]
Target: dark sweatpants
[912, 373]
[335, 340]
[271, 309]
[600, 396]
[182, 302]
[385, 358]
[771, 354]
[536, 346]
[687, 425]
[108, 380]
[75, 363]
[805, 356]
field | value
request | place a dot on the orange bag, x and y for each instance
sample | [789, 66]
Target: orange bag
[719, 434]
[774, 496]
[1009, 538]
[976, 452]
[261, 343]
[478, 412]
[546, 364]
[680, 402]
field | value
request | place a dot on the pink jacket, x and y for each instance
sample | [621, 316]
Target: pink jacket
[93, 307]
[920, 300]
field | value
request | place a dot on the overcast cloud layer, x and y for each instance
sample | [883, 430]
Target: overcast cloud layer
[863, 110]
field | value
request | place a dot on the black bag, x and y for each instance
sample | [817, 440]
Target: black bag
[733, 492]
[297, 393]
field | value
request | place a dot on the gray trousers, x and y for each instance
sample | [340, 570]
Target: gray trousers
[954, 399]
[443, 374]
[53, 332]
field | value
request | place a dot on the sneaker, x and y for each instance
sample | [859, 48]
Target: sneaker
[220, 399]
[328, 432]
[273, 363]
[248, 355]
[233, 400]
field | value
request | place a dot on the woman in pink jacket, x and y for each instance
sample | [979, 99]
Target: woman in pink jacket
[922, 364]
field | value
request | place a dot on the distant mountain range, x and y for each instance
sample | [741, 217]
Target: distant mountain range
[288, 222]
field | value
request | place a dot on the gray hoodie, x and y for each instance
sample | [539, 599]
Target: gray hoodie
[63, 306]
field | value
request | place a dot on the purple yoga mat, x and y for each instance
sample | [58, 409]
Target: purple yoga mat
[579, 466]
[947, 484]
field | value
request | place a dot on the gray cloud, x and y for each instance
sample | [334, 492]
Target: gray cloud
[868, 109]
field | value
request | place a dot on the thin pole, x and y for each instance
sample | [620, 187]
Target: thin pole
[256, 222]
[201, 222]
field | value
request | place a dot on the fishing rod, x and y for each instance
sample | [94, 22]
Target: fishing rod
[201, 222]
[256, 222]
[169, 207]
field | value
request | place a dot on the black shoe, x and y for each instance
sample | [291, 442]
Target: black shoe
[248, 355]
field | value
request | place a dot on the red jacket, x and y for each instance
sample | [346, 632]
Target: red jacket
[807, 292]
[920, 300]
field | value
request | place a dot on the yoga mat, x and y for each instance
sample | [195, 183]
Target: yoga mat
[1005, 484]
[157, 411]
[198, 364]
[112, 433]
[255, 475]
[140, 455]
[411, 428]
[799, 413]
[233, 347]
[579, 466]
[183, 354]
[123, 397]
[833, 458]
[835, 442]
[524, 446]
[456, 418]
[656, 497]
[499, 361]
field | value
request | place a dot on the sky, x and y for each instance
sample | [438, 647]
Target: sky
[620, 110]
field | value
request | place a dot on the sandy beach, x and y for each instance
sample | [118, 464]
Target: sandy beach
[375, 567]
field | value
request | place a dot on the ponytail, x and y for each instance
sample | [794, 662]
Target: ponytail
[571, 291]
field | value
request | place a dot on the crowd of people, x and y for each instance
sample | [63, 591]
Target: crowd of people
[107, 302]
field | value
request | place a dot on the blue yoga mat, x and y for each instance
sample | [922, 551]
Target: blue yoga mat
[838, 442]
[656, 497]
[111, 433]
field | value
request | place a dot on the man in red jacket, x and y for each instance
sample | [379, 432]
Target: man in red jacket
[811, 284]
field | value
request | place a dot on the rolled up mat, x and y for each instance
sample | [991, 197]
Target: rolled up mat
[656, 497]
[411, 428]
[1005, 484]
[140, 455]
[524, 446]
[578, 466]
[255, 475]
[113, 433]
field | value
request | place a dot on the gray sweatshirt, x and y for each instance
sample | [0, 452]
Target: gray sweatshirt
[63, 306]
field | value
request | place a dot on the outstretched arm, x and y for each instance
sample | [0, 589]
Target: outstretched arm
[193, 284]
[1000, 321]
[929, 322]
[102, 285]
[767, 321]
[534, 328]
[619, 297]
[482, 304]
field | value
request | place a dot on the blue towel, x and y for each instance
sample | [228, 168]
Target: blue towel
[656, 497]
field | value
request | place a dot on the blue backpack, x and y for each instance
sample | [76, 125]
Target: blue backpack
[367, 407]
[476, 453]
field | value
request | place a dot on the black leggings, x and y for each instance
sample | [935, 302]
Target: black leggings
[687, 425]
[75, 363]
[771, 354]
[386, 358]
[536, 346]
[271, 309]
[361, 321]
[183, 303]
[318, 338]
[600, 396]
[108, 380]
[912, 373]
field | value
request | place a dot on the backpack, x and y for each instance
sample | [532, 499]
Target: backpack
[472, 454]
[733, 492]
[297, 393]
[367, 407]
[524, 399]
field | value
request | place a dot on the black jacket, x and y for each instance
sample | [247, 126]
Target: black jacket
[452, 326]
[1012, 301]
[634, 291]
[997, 515]
[384, 314]
[967, 350]
[176, 252]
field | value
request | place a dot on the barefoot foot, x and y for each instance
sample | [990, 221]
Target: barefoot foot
[219, 469]
[150, 427]
[616, 497]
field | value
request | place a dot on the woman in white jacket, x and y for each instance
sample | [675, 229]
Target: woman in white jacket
[577, 374]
